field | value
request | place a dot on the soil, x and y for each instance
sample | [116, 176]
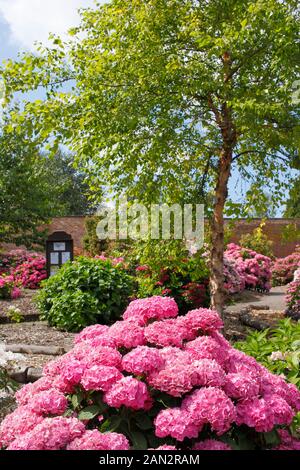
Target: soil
[24, 303]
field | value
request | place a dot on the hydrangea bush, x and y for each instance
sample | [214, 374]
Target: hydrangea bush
[283, 269]
[293, 299]
[153, 380]
[31, 272]
[84, 292]
[253, 268]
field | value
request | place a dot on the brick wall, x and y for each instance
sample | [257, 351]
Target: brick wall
[273, 228]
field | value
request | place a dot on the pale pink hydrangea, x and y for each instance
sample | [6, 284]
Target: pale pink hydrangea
[210, 405]
[100, 378]
[166, 333]
[203, 319]
[49, 402]
[51, 434]
[255, 413]
[211, 444]
[240, 385]
[90, 333]
[176, 423]
[127, 334]
[22, 420]
[142, 360]
[95, 440]
[128, 392]
[153, 308]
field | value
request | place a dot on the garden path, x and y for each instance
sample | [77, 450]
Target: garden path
[275, 299]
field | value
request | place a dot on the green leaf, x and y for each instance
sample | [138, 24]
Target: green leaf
[111, 424]
[144, 422]
[139, 441]
[89, 412]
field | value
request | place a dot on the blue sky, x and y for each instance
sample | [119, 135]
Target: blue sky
[22, 22]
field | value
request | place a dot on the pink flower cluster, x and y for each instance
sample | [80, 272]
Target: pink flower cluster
[293, 299]
[30, 273]
[152, 352]
[253, 270]
[8, 289]
[283, 269]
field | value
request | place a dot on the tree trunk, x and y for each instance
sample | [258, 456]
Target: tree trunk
[217, 232]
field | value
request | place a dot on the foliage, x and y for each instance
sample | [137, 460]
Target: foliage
[153, 380]
[293, 202]
[27, 204]
[91, 242]
[291, 233]
[278, 349]
[167, 268]
[84, 292]
[258, 241]
[70, 194]
[14, 314]
[283, 269]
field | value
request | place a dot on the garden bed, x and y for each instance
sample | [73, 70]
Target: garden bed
[25, 303]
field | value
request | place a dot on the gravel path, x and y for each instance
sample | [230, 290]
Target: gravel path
[37, 333]
[275, 299]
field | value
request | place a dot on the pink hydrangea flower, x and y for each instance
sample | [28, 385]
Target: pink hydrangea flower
[211, 444]
[95, 440]
[142, 360]
[153, 308]
[18, 423]
[127, 334]
[90, 333]
[165, 447]
[239, 385]
[176, 380]
[166, 333]
[206, 347]
[283, 413]
[129, 392]
[176, 423]
[203, 319]
[50, 434]
[48, 402]
[211, 405]
[100, 378]
[255, 413]
[208, 372]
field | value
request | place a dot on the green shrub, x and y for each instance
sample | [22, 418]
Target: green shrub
[258, 241]
[278, 349]
[85, 292]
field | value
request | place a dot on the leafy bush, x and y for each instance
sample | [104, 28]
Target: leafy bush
[171, 271]
[283, 269]
[278, 349]
[153, 380]
[84, 292]
[258, 241]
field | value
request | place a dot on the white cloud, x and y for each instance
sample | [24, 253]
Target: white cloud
[32, 20]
